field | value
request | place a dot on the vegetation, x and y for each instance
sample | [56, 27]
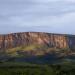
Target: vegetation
[13, 51]
[8, 67]
[37, 69]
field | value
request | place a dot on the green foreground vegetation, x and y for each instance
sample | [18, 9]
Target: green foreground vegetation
[7, 67]
[37, 69]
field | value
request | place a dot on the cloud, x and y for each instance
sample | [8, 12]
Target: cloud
[70, 0]
[38, 15]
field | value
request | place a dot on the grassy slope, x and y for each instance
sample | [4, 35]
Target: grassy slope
[39, 49]
[13, 51]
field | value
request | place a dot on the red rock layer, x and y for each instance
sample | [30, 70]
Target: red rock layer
[27, 38]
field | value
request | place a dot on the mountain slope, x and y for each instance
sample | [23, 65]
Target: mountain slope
[34, 44]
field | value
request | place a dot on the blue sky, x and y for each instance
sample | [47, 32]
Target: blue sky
[54, 16]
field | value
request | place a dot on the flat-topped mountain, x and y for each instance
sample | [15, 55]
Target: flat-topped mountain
[36, 43]
[28, 38]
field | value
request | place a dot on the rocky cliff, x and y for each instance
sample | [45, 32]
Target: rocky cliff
[29, 45]
[26, 38]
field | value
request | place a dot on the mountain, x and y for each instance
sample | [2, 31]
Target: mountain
[33, 45]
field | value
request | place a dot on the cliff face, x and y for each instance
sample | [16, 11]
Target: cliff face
[28, 38]
[29, 45]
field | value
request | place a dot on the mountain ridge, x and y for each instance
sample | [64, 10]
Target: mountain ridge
[37, 39]
[30, 36]
[37, 32]
[31, 44]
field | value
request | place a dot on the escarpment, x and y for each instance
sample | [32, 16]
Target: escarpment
[39, 38]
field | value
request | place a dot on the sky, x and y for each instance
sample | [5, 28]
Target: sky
[53, 16]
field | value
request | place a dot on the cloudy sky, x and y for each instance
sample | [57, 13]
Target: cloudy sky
[55, 16]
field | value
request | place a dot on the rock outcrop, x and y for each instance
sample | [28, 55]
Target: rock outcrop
[27, 38]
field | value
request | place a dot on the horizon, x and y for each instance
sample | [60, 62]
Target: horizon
[37, 32]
